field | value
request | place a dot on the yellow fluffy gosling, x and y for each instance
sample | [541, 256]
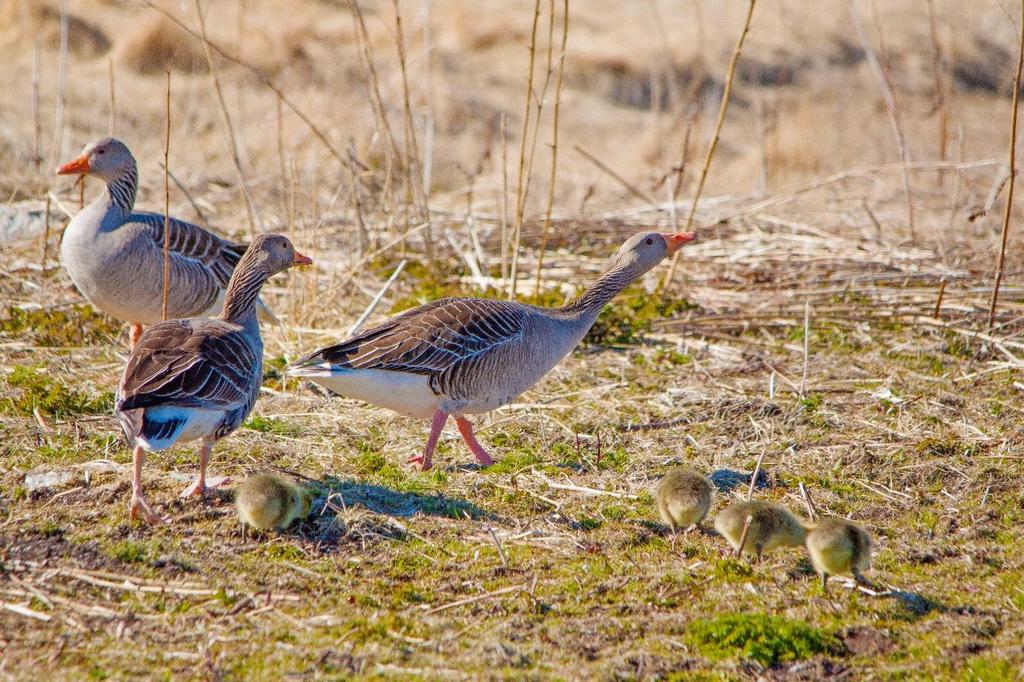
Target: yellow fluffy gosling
[838, 547]
[266, 501]
[771, 526]
[684, 498]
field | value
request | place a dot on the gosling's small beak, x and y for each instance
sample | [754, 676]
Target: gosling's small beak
[299, 259]
[79, 166]
[674, 241]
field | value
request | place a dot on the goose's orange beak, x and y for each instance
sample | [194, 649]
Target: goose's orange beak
[674, 241]
[299, 259]
[79, 166]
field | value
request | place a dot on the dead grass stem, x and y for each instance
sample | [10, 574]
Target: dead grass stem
[1012, 163]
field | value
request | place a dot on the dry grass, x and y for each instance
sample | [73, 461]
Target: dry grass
[550, 563]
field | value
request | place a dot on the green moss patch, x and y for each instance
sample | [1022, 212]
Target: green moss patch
[769, 640]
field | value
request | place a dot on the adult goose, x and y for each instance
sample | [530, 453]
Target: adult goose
[114, 254]
[198, 378]
[461, 356]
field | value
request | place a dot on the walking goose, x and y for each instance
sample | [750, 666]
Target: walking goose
[114, 255]
[198, 378]
[460, 356]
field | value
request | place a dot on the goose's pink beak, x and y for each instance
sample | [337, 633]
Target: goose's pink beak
[79, 166]
[299, 259]
[674, 241]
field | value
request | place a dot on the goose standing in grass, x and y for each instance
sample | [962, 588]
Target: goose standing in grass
[198, 378]
[839, 547]
[461, 356]
[267, 501]
[114, 255]
[684, 498]
[771, 526]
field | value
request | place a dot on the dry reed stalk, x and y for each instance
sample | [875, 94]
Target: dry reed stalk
[885, 87]
[358, 324]
[940, 90]
[46, 236]
[805, 493]
[713, 144]
[626, 184]
[554, 140]
[938, 300]
[376, 100]
[167, 200]
[503, 199]
[412, 151]
[250, 204]
[807, 343]
[62, 68]
[1001, 260]
[36, 126]
[113, 99]
[517, 225]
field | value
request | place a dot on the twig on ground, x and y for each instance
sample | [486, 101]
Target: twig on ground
[753, 476]
[376, 299]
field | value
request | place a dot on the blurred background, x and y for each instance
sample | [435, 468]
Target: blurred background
[640, 91]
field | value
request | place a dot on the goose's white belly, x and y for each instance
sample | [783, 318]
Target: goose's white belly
[198, 424]
[407, 394]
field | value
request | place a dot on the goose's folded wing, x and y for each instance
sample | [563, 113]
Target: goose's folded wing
[428, 340]
[190, 242]
[189, 363]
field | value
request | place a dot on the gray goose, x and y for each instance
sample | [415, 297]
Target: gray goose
[114, 254]
[460, 356]
[198, 378]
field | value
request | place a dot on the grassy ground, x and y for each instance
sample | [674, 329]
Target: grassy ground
[552, 561]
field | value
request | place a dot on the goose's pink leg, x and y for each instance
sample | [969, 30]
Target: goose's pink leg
[139, 508]
[134, 332]
[466, 429]
[202, 485]
[436, 424]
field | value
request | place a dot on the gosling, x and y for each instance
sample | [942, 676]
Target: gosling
[684, 498]
[839, 547]
[771, 526]
[266, 501]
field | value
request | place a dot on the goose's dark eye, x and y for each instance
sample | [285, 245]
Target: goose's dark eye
[649, 241]
[101, 151]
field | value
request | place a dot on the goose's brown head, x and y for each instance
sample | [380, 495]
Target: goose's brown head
[107, 159]
[645, 250]
[274, 253]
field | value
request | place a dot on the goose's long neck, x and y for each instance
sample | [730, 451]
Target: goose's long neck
[243, 291]
[587, 307]
[121, 191]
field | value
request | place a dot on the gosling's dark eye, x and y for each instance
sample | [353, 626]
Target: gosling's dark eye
[649, 241]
